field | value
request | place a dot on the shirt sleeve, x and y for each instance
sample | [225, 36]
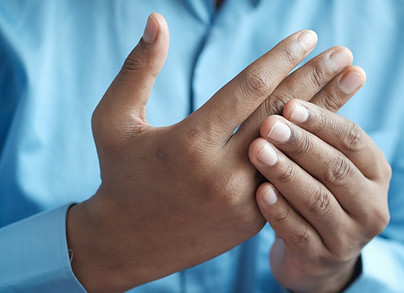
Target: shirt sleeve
[382, 268]
[383, 257]
[34, 255]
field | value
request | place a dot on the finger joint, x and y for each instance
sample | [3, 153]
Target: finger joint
[291, 56]
[338, 172]
[134, 62]
[288, 175]
[256, 83]
[302, 237]
[282, 216]
[319, 203]
[381, 218]
[331, 101]
[303, 145]
[317, 76]
[352, 141]
[276, 103]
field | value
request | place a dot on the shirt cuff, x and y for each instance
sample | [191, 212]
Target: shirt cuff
[382, 268]
[34, 255]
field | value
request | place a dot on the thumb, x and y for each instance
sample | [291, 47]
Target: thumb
[128, 94]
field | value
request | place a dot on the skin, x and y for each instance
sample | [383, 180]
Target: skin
[326, 196]
[173, 197]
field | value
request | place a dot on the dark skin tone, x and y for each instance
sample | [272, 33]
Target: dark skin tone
[149, 217]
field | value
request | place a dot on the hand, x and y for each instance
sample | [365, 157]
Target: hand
[327, 191]
[173, 197]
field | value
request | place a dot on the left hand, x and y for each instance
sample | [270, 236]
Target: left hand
[326, 196]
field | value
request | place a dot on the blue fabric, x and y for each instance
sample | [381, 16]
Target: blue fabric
[32, 261]
[57, 58]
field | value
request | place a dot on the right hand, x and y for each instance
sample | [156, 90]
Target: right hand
[173, 197]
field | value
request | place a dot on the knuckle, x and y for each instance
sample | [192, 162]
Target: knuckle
[134, 62]
[303, 145]
[345, 252]
[352, 140]
[321, 122]
[317, 75]
[302, 237]
[192, 152]
[202, 136]
[346, 243]
[256, 83]
[291, 55]
[381, 220]
[195, 138]
[107, 134]
[319, 202]
[103, 125]
[276, 103]
[331, 102]
[387, 170]
[228, 188]
[288, 174]
[375, 218]
[338, 172]
[282, 216]
[98, 124]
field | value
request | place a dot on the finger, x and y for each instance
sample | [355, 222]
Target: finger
[323, 162]
[309, 197]
[335, 94]
[344, 135]
[232, 104]
[288, 225]
[302, 84]
[129, 92]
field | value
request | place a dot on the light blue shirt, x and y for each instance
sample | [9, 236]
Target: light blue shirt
[57, 58]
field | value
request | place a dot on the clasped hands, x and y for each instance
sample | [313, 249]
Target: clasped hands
[173, 197]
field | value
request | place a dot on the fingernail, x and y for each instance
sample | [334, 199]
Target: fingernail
[340, 59]
[267, 155]
[350, 82]
[308, 39]
[279, 132]
[299, 114]
[270, 197]
[150, 31]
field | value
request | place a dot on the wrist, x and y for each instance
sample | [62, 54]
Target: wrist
[336, 281]
[94, 263]
[357, 271]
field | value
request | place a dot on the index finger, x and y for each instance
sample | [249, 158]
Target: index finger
[233, 103]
